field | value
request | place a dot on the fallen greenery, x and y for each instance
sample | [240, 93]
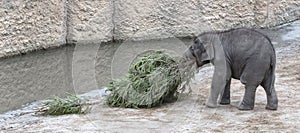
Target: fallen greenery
[153, 79]
[60, 106]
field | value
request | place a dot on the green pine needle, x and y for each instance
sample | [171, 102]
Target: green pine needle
[60, 106]
[152, 80]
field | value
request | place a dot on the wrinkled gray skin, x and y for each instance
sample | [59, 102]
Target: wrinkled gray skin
[243, 54]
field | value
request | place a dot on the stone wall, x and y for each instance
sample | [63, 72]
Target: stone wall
[155, 19]
[90, 21]
[27, 25]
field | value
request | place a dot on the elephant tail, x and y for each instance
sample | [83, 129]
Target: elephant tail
[273, 66]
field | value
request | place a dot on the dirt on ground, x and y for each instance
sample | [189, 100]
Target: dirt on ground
[188, 114]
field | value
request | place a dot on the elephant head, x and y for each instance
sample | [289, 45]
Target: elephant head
[201, 51]
[207, 48]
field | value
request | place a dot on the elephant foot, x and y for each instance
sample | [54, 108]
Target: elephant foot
[211, 104]
[271, 107]
[249, 97]
[225, 101]
[245, 107]
[272, 102]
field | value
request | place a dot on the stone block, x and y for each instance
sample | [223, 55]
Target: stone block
[90, 21]
[152, 19]
[27, 25]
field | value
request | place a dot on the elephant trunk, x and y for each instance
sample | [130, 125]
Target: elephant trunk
[188, 59]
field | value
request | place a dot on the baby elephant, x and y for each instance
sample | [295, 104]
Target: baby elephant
[243, 54]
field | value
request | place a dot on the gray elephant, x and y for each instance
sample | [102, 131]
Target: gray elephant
[243, 54]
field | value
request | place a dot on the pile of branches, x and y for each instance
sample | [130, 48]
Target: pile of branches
[153, 79]
[60, 106]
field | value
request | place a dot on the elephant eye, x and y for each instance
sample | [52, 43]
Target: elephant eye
[192, 48]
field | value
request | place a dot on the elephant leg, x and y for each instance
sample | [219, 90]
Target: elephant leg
[220, 77]
[211, 102]
[268, 85]
[222, 73]
[217, 86]
[249, 98]
[252, 76]
[226, 95]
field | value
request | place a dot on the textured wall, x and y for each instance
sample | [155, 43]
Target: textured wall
[33, 24]
[280, 12]
[155, 19]
[90, 20]
[27, 25]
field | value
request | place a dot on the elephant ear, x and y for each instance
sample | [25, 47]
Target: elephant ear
[209, 53]
[207, 49]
